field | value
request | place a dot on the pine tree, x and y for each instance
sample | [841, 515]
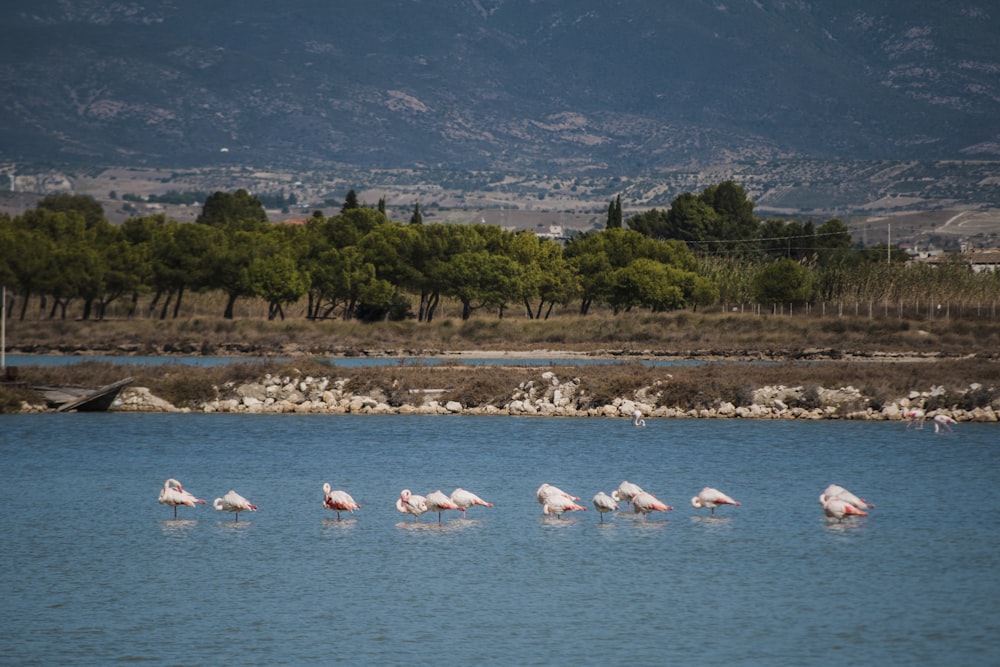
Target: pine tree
[615, 213]
[351, 201]
[416, 218]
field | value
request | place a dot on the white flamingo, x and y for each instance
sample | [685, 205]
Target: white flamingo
[235, 503]
[408, 503]
[711, 498]
[438, 502]
[546, 491]
[173, 494]
[914, 416]
[625, 492]
[837, 491]
[604, 503]
[637, 419]
[466, 499]
[338, 501]
[646, 502]
[943, 421]
[838, 508]
[557, 504]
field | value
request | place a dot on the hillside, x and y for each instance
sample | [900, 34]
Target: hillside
[570, 86]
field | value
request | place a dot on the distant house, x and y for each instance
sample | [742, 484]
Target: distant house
[555, 233]
[985, 259]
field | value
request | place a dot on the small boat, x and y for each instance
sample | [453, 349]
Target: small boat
[82, 399]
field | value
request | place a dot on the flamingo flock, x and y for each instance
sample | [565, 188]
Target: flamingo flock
[837, 502]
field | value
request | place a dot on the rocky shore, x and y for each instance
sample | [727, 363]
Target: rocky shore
[548, 396]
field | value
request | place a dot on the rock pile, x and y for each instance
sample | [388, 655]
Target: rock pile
[546, 396]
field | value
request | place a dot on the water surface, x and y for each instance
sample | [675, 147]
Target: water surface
[98, 573]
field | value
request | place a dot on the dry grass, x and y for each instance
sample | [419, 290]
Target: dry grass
[683, 333]
[299, 348]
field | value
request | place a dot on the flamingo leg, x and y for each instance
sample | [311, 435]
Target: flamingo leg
[175, 511]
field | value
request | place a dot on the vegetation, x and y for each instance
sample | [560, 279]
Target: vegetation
[706, 251]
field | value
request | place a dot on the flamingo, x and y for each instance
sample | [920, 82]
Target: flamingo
[943, 421]
[466, 499]
[637, 419]
[235, 503]
[646, 502]
[837, 508]
[546, 491]
[625, 492]
[914, 416]
[438, 502]
[407, 503]
[557, 504]
[711, 498]
[338, 501]
[173, 494]
[604, 503]
[836, 491]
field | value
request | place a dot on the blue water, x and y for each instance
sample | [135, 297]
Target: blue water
[347, 362]
[97, 572]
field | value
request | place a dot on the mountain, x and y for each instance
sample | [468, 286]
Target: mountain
[550, 85]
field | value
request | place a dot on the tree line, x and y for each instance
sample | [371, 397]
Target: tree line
[705, 249]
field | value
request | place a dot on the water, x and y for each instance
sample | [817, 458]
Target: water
[96, 572]
[345, 362]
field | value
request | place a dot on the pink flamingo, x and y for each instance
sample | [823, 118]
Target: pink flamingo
[914, 416]
[338, 501]
[711, 498]
[173, 494]
[604, 503]
[408, 503]
[235, 503]
[943, 421]
[466, 499]
[646, 502]
[438, 502]
[625, 492]
[836, 491]
[546, 491]
[838, 508]
[557, 504]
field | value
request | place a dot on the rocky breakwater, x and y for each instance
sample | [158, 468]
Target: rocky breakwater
[550, 396]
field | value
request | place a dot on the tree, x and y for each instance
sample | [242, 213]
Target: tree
[783, 281]
[416, 218]
[691, 220]
[480, 279]
[652, 223]
[234, 210]
[615, 214]
[735, 211]
[647, 282]
[85, 205]
[350, 202]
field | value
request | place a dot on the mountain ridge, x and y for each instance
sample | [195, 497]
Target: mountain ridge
[559, 86]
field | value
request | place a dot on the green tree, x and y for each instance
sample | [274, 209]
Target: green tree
[615, 213]
[233, 210]
[480, 279]
[783, 281]
[85, 205]
[416, 218]
[350, 202]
